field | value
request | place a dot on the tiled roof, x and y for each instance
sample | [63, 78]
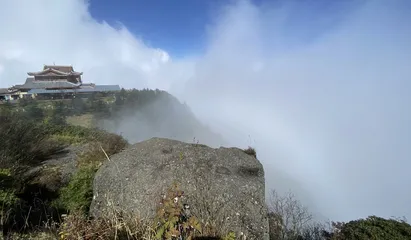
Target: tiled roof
[31, 84]
[4, 90]
[7, 90]
[55, 72]
[97, 88]
[60, 68]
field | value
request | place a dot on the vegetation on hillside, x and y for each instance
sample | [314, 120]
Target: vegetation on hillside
[31, 137]
[150, 112]
[102, 105]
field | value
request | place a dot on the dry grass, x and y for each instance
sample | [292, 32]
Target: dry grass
[92, 157]
[32, 236]
[84, 120]
[115, 224]
[119, 226]
[50, 177]
[77, 226]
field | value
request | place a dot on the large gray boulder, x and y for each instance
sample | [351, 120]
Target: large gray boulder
[224, 187]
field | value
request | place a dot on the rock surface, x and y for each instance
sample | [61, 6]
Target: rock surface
[57, 171]
[224, 187]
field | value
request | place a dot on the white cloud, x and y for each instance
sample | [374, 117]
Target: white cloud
[42, 32]
[332, 114]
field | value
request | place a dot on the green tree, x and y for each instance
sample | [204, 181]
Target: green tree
[6, 109]
[78, 106]
[100, 108]
[58, 114]
[373, 227]
[33, 111]
[119, 100]
[25, 101]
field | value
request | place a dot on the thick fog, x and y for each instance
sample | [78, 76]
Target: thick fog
[163, 116]
[324, 98]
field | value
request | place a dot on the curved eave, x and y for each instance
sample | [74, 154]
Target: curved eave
[77, 73]
[10, 91]
[54, 71]
[65, 75]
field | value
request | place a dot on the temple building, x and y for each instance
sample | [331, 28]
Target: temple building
[54, 82]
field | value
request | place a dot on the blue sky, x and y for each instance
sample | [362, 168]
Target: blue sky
[180, 26]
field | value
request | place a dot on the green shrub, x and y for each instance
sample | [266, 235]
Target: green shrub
[78, 106]
[8, 199]
[24, 143]
[7, 193]
[69, 134]
[33, 111]
[57, 115]
[78, 194]
[372, 228]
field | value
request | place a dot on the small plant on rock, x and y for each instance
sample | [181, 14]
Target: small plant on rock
[230, 236]
[251, 151]
[173, 220]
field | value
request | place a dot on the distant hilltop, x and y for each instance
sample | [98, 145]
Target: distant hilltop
[54, 82]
